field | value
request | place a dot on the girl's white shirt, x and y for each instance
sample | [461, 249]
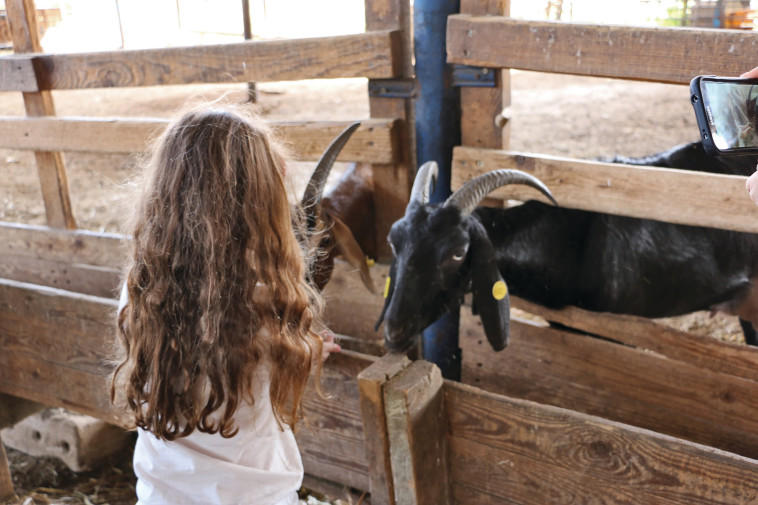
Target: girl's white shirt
[260, 465]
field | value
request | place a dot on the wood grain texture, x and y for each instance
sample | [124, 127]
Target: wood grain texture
[372, 142]
[17, 74]
[57, 347]
[672, 55]
[371, 383]
[368, 54]
[413, 403]
[480, 107]
[704, 352]
[331, 438]
[518, 452]
[676, 196]
[618, 382]
[76, 246]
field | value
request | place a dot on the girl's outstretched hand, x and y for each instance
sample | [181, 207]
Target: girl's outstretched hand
[330, 345]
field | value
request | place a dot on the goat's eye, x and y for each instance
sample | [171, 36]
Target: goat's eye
[458, 255]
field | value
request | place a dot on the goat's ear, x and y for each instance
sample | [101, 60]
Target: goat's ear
[491, 298]
[389, 288]
[350, 250]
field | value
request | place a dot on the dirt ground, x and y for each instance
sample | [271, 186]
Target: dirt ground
[552, 114]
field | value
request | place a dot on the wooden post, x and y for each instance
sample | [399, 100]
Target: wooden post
[252, 92]
[484, 116]
[50, 166]
[371, 382]
[416, 430]
[6, 483]
[392, 183]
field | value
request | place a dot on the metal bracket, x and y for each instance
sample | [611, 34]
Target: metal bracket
[476, 77]
[392, 88]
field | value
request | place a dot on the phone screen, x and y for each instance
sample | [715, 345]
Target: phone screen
[730, 108]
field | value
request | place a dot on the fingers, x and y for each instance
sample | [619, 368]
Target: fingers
[750, 74]
[330, 345]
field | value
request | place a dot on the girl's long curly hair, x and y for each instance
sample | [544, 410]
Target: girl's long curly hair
[216, 283]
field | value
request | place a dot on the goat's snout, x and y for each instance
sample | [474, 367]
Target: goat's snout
[400, 341]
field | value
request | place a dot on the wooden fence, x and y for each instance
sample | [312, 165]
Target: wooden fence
[58, 283]
[645, 414]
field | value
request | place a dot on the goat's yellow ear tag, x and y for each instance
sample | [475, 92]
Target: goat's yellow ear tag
[499, 290]
[387, 286]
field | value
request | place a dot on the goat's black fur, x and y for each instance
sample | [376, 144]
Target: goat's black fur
[556, 256]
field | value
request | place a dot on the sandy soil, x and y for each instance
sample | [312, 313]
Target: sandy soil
[552, 114]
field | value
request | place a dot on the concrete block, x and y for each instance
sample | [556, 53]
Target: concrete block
[80, 441]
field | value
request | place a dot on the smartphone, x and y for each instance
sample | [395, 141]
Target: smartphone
[725, 108]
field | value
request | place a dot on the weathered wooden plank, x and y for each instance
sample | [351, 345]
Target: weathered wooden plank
[55, 325]
[416, 432]
[75, 246]
[56, 346]
[331, 438]
[673, 55]
[77, 277]
[677, 196]
[371, 384]
[515, 451]
[17, 74]
[618, 382]
[75, 260]
[703, 352]
[372, 142]
[368, 54]
[57, 385]
[481, 120]
[50, 166]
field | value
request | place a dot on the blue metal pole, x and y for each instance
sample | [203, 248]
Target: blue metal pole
[437, 132]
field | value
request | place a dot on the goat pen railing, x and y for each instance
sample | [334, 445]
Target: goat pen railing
[639, 372]
[58, 284]
[559, 416]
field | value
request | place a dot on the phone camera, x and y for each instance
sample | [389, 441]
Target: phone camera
[695, 98]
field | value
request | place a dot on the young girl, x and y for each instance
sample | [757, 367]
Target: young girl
[216, 319]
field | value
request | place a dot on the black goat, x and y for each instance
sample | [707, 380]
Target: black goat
[557, 256]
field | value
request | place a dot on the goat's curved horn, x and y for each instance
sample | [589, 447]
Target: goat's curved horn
[315, 188]
[420, 191]
[468, 196]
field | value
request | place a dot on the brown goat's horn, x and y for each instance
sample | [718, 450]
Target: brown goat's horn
[468, 196]
[315, 188]
[420, 191]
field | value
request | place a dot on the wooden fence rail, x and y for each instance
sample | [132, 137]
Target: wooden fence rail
[368, 54]
[677, 196]
[373, 142]
[643, 415]
[673, 55]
